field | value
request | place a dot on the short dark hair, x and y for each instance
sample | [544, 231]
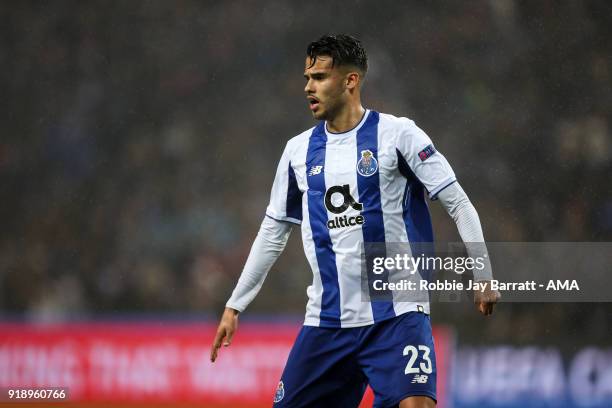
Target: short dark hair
[344, 50]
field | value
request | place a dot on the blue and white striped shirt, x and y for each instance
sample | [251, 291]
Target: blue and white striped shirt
[364, 185]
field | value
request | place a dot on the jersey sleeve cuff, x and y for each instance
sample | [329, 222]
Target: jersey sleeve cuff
[433, 195]
[234, 306]
[284, 219]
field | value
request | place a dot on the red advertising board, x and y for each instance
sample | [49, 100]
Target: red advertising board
[157, 363]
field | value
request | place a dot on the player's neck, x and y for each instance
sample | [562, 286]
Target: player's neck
[346, 119]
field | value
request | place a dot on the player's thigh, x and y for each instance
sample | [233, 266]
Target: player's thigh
[399, 360]
[417, 402]
[349, 395]
[321, 370]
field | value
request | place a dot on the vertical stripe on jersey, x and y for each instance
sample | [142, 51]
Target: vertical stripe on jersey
[416, 214]
[373, 228]
[326, 257]
[293, 208]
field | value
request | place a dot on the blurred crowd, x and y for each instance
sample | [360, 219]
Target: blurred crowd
[140, 139]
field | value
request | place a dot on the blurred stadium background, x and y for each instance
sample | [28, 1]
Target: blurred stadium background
[138, 145]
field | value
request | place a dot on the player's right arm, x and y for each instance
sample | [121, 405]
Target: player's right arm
[266, 249]
[285, 209]
[225, 331]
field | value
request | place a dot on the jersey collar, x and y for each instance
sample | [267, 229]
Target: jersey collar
[350, 131]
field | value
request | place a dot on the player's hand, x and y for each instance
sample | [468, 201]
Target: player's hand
[225, 331]
[485, 300]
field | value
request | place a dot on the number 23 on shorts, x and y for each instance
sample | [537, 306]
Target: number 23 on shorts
[413, 353]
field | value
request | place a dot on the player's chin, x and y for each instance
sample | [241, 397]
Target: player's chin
[318, 114]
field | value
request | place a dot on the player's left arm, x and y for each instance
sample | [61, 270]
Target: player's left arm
[418, 157]
[456, 202]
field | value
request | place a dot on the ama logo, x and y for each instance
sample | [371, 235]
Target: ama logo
[337, 207]
[280, 392]
[367, 165]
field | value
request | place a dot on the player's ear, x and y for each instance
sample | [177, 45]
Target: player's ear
[352, 80]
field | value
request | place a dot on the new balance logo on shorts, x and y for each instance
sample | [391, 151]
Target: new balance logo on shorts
[420, 379]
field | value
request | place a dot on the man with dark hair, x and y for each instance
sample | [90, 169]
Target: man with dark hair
[357, 177]
[343, 49]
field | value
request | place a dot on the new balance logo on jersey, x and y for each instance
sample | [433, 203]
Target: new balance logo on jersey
[337, 200]
[314, 170]
[420, 379]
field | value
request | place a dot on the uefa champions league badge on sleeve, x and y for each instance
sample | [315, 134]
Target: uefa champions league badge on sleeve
[367, 165]
[280, 392]
[427, 152]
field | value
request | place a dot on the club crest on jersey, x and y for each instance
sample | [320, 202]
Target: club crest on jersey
[427, 152]
[280, 392]
[367, 165]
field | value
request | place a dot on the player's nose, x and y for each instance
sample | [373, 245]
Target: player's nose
[308, 88]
